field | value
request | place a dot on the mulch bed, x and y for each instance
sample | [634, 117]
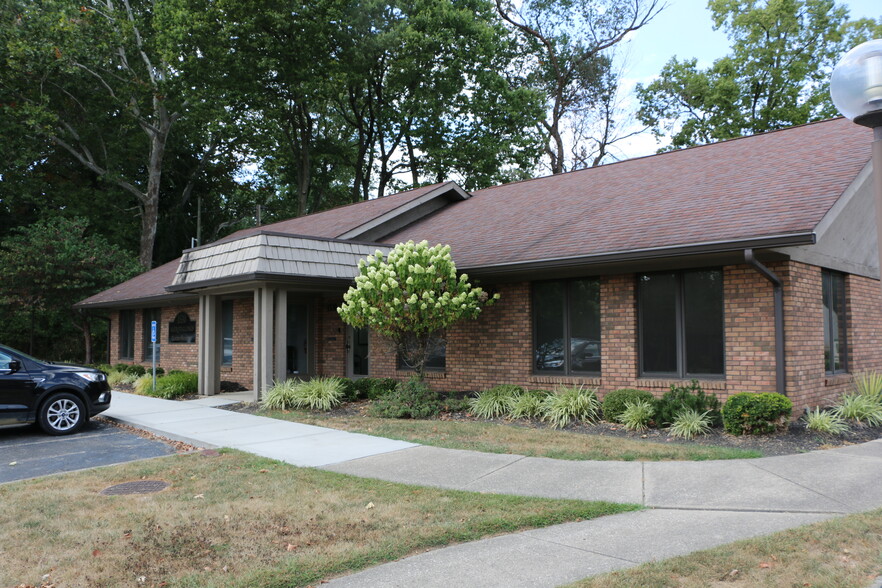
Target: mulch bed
[795, 439]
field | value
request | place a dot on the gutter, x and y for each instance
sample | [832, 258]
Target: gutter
[778, 291]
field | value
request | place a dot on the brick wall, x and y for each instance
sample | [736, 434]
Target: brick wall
[242, 370]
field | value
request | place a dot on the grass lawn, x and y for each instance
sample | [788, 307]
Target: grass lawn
[496, 438]
[845, 552]
[238, 520]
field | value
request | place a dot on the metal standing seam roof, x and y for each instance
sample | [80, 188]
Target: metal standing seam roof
[771, 185]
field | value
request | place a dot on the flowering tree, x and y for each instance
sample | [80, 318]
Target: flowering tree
[411, 297]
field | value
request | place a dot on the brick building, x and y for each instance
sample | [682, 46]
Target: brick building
[749, 265]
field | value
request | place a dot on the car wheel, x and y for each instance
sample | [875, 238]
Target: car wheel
[62, 414]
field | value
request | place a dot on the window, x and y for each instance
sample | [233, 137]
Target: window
[681, 323]
[566, 327]
[149, 315]
[227, 332]
[127, 334]
[437, 359]
[835, 337]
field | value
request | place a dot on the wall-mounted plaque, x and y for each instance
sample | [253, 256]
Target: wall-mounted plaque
[182, 329]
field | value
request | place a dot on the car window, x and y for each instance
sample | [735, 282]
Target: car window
[4, 361]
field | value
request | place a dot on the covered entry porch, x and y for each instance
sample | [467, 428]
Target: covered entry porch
[292, 285]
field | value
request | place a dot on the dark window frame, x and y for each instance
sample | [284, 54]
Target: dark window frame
[567, 326]
[828, 289]
[126, 350]
[679, 318]
[400, 365]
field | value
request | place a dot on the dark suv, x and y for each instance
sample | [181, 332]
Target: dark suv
[60, 397]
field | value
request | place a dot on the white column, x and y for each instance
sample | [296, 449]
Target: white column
[281, 347]
[263, 340]
[209, 346]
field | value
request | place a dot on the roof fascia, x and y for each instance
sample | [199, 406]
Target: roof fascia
[251, 278]
[808, 238]
[408, 213]
[858, 184]
[157, 300]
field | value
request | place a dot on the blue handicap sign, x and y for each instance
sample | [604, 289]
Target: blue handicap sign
[153, 331]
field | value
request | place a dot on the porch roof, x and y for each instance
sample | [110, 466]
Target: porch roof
[268, 255]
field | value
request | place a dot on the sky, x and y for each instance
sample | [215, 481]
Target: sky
[685, 29]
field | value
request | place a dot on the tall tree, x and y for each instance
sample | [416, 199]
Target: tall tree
[95, 80]
[775, 76]
[566, 43]
[50, 265]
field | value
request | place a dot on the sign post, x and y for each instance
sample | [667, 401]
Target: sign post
[153, 345]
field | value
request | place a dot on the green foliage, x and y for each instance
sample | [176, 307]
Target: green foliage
[529, 404]
[173, 386]
[860, 408]
[868, 384]
[615, 400]
[143, 385]
[411, 399]
[116, 377]
[316, 394]
[637, 414]
[756, 414]
[368, 388]
[495, 402]
[568, 405]
[689, 422]
[456, 402]
[775, 76]
[689, 396]
[48, 266]
[823, 421]
[411, 297]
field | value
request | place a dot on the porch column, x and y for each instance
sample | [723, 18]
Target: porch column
[263, 340]
[281, 335]
[209, 345]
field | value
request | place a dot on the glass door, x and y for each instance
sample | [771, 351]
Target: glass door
[357, 352]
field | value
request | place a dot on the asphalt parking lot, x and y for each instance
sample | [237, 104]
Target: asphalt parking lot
[26, 452]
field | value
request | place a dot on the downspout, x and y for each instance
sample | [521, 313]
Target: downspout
[778, 290]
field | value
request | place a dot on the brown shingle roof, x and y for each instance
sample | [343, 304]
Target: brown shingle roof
[778, 183]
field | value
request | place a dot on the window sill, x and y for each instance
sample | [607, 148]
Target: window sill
[586, 380]
[716, 384]
[837, 379]
[427, 375]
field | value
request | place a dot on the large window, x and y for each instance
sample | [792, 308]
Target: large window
[127, 334]
[835, 340]
[150, 315]
[681, 324]
[566, 327]
[227, 332]
[436, 360]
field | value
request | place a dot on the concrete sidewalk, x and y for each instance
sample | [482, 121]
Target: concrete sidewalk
[694, 505]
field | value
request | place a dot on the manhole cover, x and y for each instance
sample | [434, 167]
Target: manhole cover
[138, 487]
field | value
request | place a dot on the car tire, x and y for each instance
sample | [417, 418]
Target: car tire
[62, 414]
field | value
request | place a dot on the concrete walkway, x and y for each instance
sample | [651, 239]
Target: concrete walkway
[693, 505]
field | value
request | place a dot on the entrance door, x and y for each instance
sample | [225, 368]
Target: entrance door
[356, 352]
[299, 347]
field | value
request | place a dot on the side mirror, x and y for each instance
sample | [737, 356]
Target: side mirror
[13, 366]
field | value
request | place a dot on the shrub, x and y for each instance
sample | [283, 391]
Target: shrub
[868, 384]
[367, 388]
[144, 384]
[280, 396]
[115, 378]
[689, 396]
[495, 402]
[689, 422]
[176, 385]
[824, 422]
[136, 370]
[456, 402]
[755, 414]
[637, 414]
[570, 404]
[859, 408]
[315, 394]
[529, 404]
[410, 399]
[614, 402]
[104, 367]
